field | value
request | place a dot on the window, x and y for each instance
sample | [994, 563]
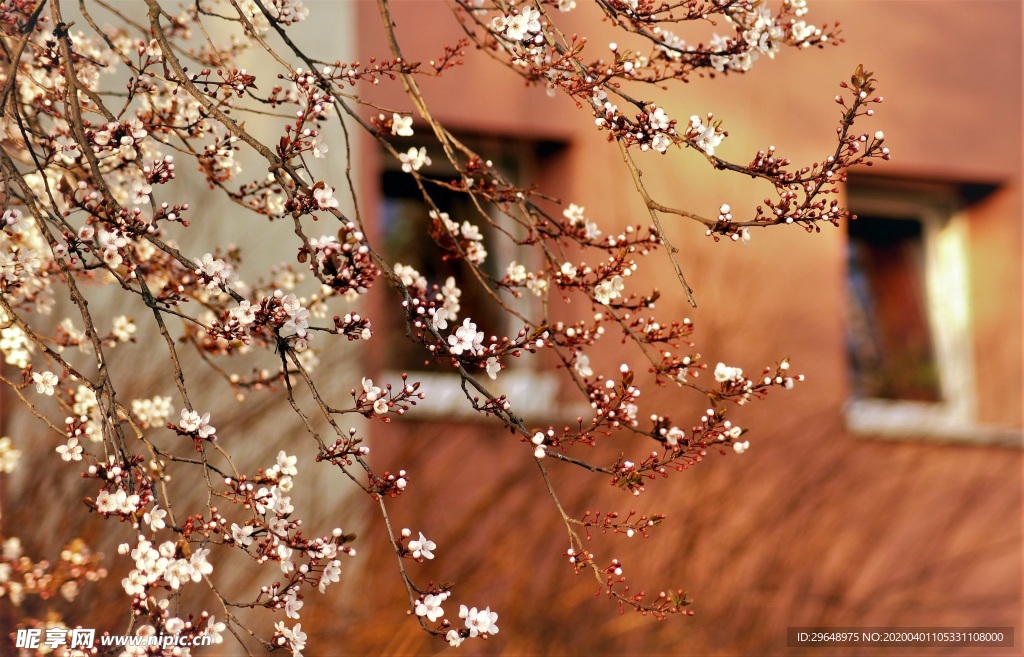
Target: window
[908, 335]
[404, 217]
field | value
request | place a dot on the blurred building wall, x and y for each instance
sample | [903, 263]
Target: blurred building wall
[816, 525]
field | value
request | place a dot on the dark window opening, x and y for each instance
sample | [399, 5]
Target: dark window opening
[889, 337]
[405, 222]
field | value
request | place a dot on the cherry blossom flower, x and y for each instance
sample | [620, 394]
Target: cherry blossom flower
[606, 291]
[319, 147]
[214, 629]
[414, 159]
[293, 637]
[516, 272]
[155, 519]
[139, 192]
[324, 197]
[401, 126]
[430, 606]
[286, 463]
[45, 381]
[372, 392]
[574, 213]
[741, 447]
[8, 455]
[332, 573]
[439, 320]
[479, 622]
[70, 452]
[117, 502]
[123, 328]
[706, 137]
[135, 583]
[410, 277]
[244, 313]
[801, 31]
[292, 604]
[200, 564]
[454, 638]
[242, 534]
[451, 293]
[422, 548]
[660, 142]
[725, 373]
[519, 27]
[192, 422]
[674, 435]
[298, 318]
[466, 338]
[658, 120]
[67, 149]
[13, 220]
[493, 367]
[582, 366]
[217, 272]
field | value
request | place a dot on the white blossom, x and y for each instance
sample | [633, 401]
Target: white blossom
[430, 606]
[493, 367]
[582, 366]
[705, 136]
[324, 197]
[218, 272]
[242, 534]
[139, 192]
[414, 159]
[152, 412]
[191, 422]
[466, 338]
[401, 126]
[45, 381]
[606, 291]
[372, 392]
[439, 320]
[8, 455]
[422, 547]
[332, 573]
[123, 328]
[292, 604]
[155, 519]
[516, 272]
[725, 373]
[13, 220]
[70, 452]
[479, 622]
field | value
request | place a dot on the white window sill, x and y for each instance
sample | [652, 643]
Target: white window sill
[923, 420]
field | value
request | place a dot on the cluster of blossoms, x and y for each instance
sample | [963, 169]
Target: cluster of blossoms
[342, 263]
[217, 273]
[464, 239]
[22, 579]
[522, 26]
[162, 566]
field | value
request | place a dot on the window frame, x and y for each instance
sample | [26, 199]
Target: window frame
[533, 390]
[947, 300]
